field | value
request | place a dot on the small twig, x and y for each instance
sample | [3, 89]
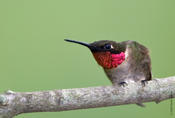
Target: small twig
[14, 103]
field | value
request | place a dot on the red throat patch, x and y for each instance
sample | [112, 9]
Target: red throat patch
[109, 60]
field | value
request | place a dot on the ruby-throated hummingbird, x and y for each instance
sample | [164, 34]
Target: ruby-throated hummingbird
[121, 61]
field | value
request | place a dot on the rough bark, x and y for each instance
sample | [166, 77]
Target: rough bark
[14, 103]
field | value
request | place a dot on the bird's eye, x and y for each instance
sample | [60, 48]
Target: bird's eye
[108, 46]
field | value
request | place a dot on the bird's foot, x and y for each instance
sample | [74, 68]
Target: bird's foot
[144, 82]
[123, 84]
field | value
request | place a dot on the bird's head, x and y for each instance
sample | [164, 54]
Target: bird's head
[108, 54]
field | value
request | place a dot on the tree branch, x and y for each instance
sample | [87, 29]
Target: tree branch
[14, 103]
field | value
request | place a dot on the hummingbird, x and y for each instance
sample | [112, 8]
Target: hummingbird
[121, 61]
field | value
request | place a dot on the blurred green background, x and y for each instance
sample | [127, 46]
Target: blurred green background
[34, 56]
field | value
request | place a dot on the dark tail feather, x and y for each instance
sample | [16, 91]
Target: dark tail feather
[140, 104]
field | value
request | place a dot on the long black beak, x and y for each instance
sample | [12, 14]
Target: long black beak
[92, 48]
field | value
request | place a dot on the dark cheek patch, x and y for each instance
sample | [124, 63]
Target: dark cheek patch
[109, 60]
